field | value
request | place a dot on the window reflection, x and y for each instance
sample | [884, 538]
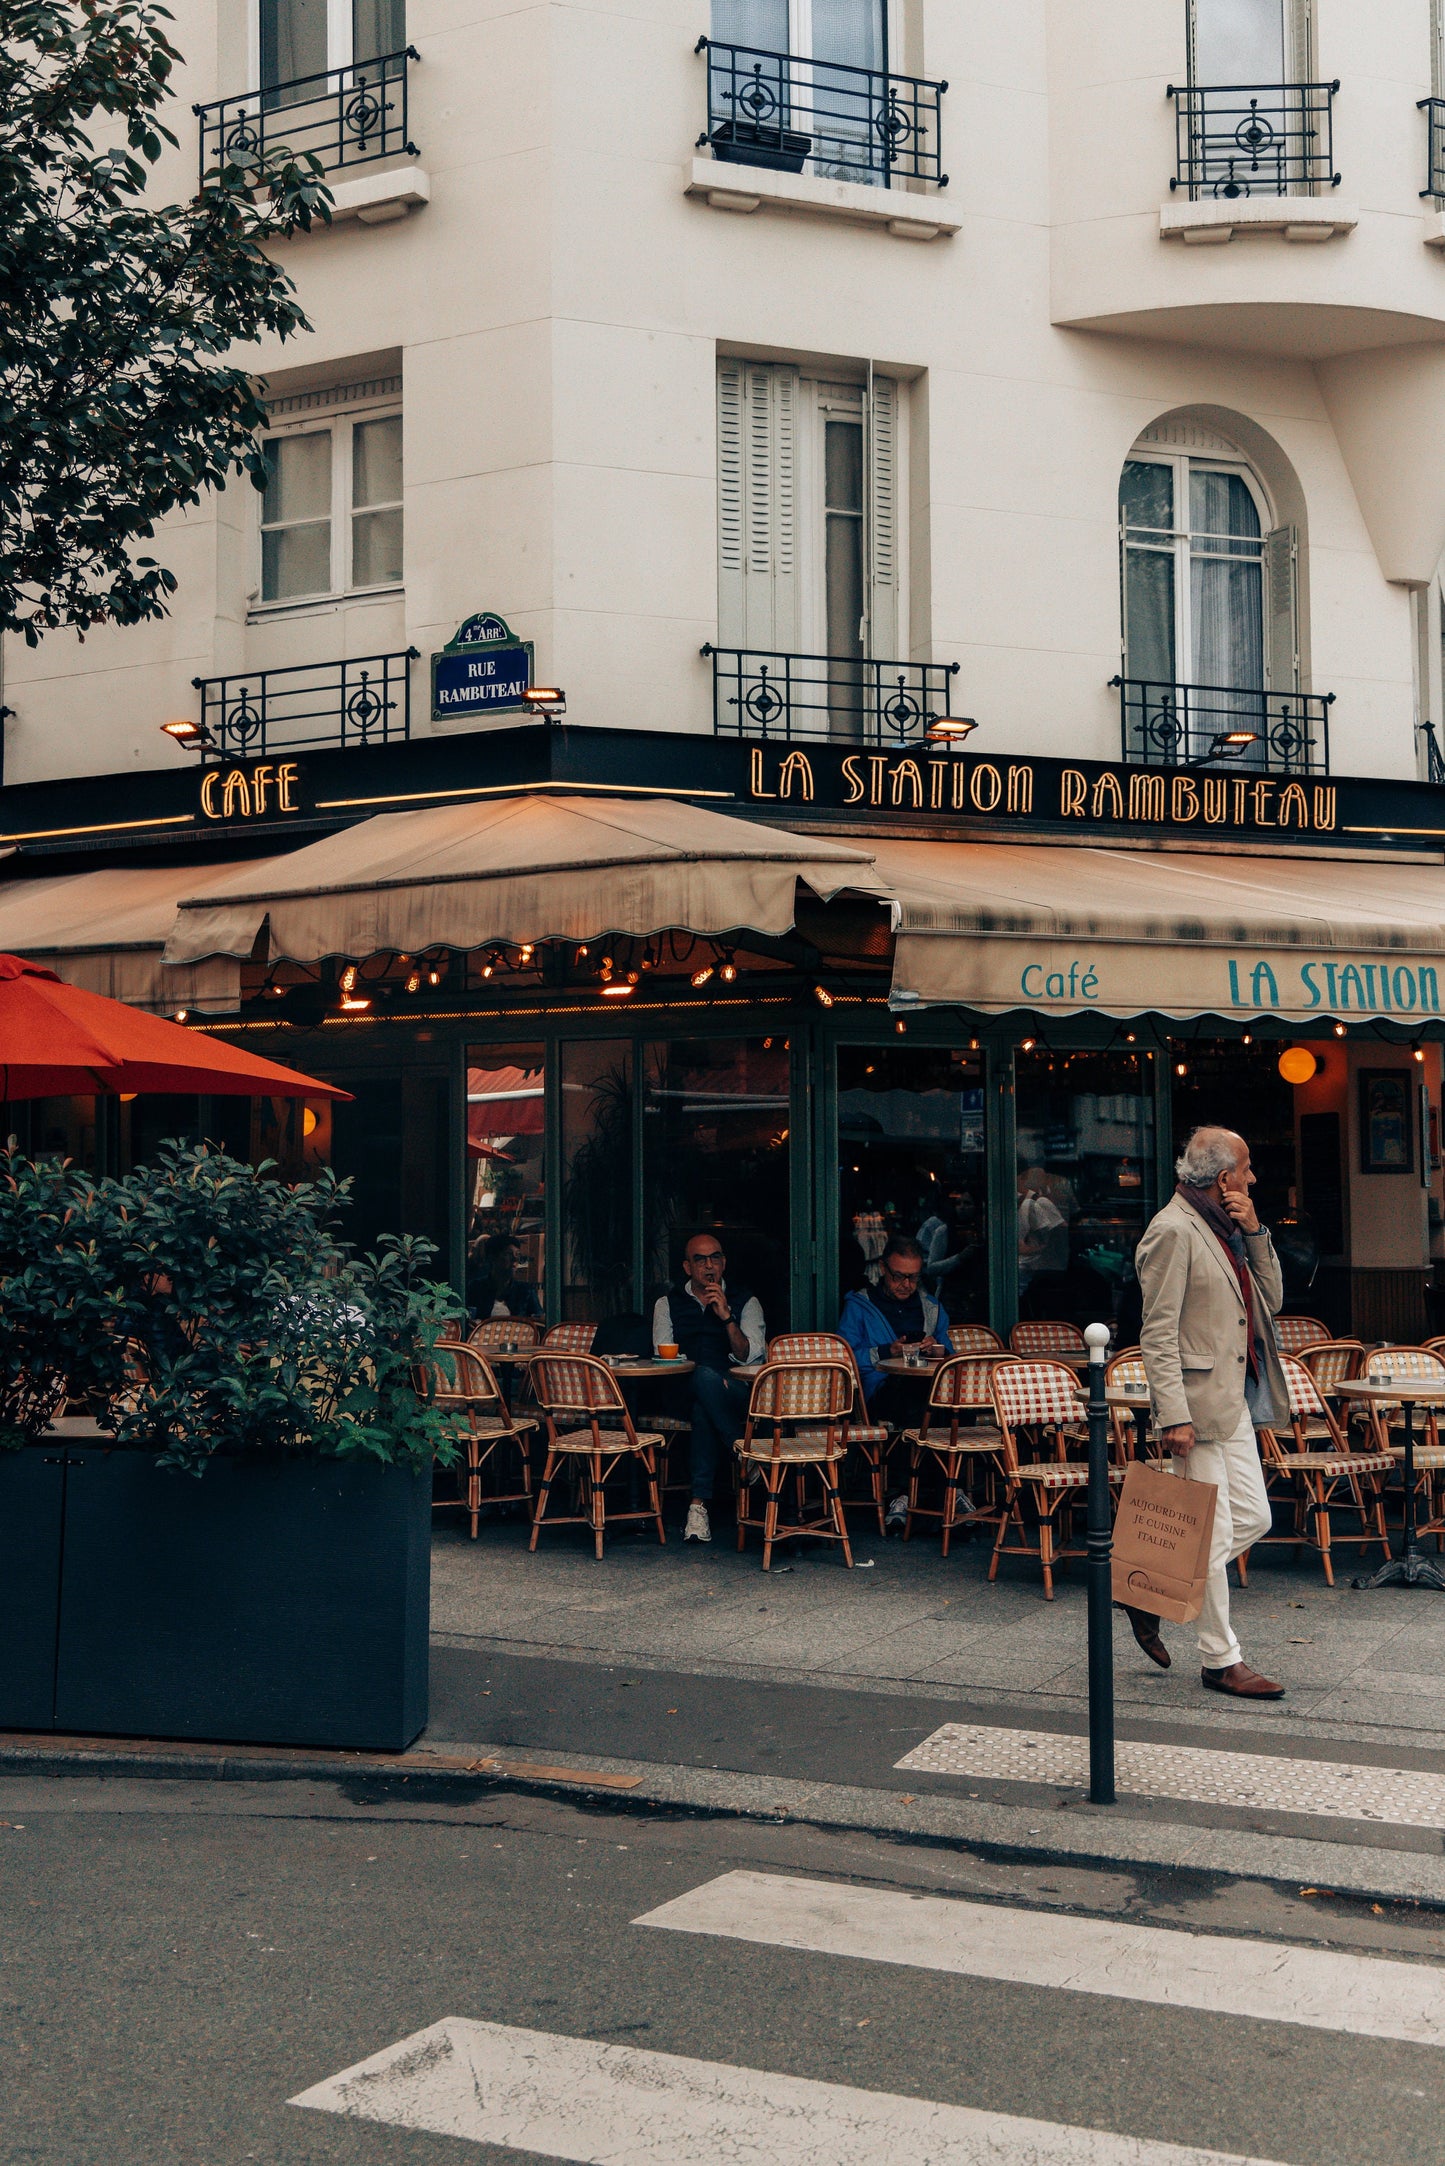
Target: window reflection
[1085, 1185]
[912, 1160]
[715, 1155]
[597, 1161]
[505, 1226]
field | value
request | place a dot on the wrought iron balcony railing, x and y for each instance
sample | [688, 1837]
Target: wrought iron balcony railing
[797, 697]
[787, 112]
[1189, 725]
[1435, 151]
[1272, 139]
[348, 116]
[309, 706]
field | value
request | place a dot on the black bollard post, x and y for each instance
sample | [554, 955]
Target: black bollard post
[1100, 1546]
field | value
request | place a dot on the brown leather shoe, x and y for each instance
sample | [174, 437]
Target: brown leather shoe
[1243, 1682]
[1146, 1632]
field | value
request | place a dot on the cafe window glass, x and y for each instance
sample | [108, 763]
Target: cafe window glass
[715, 1157]
[506, 1226]
[597, 1172]
[1085, 1186]
[911, 1160]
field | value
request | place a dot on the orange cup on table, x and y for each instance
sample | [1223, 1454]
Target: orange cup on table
[668, 1352]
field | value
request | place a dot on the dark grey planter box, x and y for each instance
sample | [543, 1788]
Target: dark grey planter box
[746, 142]
[279, 1602]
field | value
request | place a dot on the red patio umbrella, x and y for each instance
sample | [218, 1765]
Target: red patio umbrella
[58, 1040]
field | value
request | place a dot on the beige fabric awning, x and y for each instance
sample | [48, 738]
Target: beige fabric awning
[517, 869]
[1120, 933]
[106, 931]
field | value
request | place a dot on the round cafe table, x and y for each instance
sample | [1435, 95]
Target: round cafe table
[895, 1365]
[1410, 1568]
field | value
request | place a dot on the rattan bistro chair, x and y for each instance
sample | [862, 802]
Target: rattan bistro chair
[797, 1424]
[1042, 1419]
[1129, 1430]
[1039, 1341]
[975, 1339]
[1295, 1333]
[591, 1432]
[460, 1381]
[495, 1331]
[1320, 1462]
[1386, 1427]
[953, 1437]
[569, 1338]
[873, 1438]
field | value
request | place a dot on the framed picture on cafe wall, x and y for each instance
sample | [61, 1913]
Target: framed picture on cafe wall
[1388, 1119]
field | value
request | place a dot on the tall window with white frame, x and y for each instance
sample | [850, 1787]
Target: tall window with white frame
[331, 511]
[796, 77]
[1256, 121]
[1210, 611]
[810, 545]
[304, 38]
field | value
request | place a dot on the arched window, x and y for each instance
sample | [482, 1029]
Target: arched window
[1210, 619]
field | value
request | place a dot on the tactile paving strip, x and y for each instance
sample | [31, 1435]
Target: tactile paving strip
[1401, 1797]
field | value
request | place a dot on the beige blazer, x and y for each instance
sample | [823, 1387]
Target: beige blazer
[1193, 1334]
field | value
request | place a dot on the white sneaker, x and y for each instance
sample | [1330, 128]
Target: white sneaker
[897, 1512]
[699, 1526]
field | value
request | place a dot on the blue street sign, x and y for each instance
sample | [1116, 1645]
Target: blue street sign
[484, 670]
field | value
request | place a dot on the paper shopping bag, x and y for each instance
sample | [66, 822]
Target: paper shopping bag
[1161, 1542]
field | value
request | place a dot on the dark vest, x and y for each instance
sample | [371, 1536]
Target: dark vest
[701, 1336]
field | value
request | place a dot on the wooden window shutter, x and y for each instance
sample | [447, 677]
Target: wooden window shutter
[757, 506]
[884, 538]
[1281, 606]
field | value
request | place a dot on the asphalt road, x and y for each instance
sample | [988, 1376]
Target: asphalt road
[181, 1958]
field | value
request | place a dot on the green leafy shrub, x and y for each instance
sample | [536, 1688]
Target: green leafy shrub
[214, 1309]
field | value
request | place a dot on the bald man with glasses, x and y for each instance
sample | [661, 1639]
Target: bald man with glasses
[716, 1324]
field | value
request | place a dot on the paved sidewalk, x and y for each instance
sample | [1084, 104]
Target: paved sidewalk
[1363, 1665]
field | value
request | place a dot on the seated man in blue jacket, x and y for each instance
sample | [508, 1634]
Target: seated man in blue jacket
[882, 1321]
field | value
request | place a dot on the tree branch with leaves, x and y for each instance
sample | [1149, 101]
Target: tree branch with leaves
[120, 314]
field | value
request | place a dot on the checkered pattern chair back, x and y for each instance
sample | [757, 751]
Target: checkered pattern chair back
[1295, 1333]
[1403, 1361]
[1042, 1339]
[1333, 1361]
[503, 1331]
[975, 1339]
[570, 1338]
[1435, 1346]
[1126, 1370]
[1304, 1393]
[966, 1381]
[1027, 1394]
[802, 1391]
[575, 1384]
[809, 1346]
[457, 1374]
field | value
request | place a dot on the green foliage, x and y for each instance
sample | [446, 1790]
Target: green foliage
[53, 1305]
[116, 308]
[216, 1310]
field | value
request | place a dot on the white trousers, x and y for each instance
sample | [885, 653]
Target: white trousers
[1241, 1518]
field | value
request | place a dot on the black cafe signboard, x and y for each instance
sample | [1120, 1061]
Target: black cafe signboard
[484, 670]
[951, 788]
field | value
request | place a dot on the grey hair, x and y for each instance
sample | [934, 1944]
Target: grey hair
[1208, 1153]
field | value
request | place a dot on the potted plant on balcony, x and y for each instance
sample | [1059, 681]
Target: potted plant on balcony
[238, 1546]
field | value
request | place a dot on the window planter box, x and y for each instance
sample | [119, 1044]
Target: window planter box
[272, 1601]
[745, 142]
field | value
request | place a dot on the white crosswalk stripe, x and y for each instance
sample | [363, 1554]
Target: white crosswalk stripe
[572, 2098]
[1269, 1981]
[1339, 1789]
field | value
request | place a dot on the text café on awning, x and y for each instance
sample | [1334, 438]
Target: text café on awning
[594, 989]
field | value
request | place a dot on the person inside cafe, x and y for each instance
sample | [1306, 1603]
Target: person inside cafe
[494, 1287]
[1212, 1289]
[894, 1318]
[716, 1324]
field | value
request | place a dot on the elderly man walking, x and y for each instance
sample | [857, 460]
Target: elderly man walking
[1212, 1287]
